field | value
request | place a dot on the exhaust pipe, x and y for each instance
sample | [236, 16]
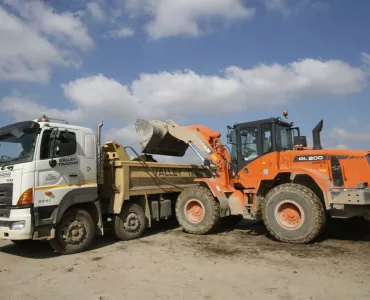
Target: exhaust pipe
[100, 158]
[316, 136]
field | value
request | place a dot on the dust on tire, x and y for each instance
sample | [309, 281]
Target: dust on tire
[311, 228]
[211, 219]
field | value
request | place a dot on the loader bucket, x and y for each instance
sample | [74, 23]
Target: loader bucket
[155, 138]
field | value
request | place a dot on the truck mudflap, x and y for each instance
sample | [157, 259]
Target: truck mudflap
[155, 138]
[349, 196]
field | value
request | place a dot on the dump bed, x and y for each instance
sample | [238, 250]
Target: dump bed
[125, 178]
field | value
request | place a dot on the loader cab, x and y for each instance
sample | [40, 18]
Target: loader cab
[251, 140]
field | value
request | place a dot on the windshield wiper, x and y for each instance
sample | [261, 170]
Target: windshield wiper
[12, 160]
[8, 162]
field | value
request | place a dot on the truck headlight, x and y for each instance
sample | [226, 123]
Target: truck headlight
[19, 225]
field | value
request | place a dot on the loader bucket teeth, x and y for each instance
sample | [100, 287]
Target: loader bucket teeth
[155, 138]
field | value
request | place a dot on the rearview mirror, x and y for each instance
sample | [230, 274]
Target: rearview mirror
[229, 134]
[300, 141]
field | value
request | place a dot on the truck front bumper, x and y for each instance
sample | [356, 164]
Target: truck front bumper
[18, 226]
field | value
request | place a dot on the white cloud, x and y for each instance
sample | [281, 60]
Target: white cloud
[340, 146]
[38, 40]
[366, 61]
[182, 94]
[178, 95]
[342, 135]
[278, 5]
[126, 135]
[24, 54]
[96, 11]
[21, 108]
[63, 27]
[366, 58]
[99, 96]
[120, 33]
[173, 18]
[353, 121]
[291, 7]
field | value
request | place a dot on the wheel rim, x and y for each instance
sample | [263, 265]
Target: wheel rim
[289, 214]
[132, 222]
[74, 232]
[194, 211]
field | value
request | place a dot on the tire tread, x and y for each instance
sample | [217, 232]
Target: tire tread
[200, 192]
[308, 194]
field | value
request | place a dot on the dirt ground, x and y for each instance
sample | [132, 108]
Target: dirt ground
[241, 262]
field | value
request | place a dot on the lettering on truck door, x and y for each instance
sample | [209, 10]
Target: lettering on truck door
[52, 183]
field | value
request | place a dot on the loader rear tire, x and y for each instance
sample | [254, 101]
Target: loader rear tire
[292, 213]
[197, 211]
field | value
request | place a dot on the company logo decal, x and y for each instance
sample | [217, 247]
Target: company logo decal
[5, 174]
[308, 158]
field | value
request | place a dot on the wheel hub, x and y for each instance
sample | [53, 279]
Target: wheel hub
[132, 222]
[289, 214]
[74, 232]
[194, 211]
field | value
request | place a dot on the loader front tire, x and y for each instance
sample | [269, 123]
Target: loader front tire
[292, 213]
[197, 211]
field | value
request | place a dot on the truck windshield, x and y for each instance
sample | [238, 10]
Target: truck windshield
[16, 149]
[285, 137]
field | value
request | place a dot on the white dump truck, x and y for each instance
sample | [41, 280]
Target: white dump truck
[58, 183]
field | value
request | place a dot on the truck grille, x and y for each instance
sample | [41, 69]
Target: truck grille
[6, 193]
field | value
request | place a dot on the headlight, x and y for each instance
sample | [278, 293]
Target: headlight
[19, 225]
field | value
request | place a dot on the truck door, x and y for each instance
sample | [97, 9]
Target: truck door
[53, 182]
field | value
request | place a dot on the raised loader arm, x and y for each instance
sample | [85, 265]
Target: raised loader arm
[169, 138]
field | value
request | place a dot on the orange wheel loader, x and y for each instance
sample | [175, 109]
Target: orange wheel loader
[268, 174]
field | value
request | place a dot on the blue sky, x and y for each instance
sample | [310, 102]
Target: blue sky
[206, 62]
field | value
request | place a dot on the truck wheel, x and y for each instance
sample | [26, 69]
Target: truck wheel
[74, 233]
[130, 223]
[292, 213]
[197, 211]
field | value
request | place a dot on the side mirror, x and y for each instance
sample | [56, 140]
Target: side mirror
[55, 136]
[229, 134]
[52, 163]
[300, 141]
[207, 162]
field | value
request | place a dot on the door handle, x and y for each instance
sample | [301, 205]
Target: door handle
[72, 175]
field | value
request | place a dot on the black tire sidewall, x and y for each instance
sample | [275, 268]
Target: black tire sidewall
[118, 228]
[309, 222]
[60, 246]
[183, 220]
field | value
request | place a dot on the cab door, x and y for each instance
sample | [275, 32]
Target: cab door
[57, 168]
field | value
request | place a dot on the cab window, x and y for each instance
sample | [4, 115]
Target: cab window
[65, 147]
[249, 139]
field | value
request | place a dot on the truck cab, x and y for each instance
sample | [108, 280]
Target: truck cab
[44, 166]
